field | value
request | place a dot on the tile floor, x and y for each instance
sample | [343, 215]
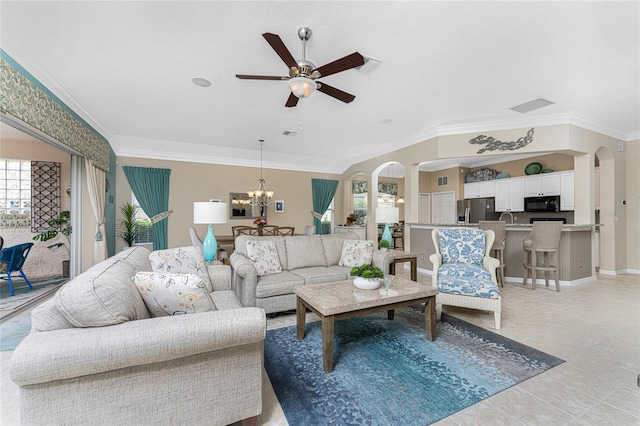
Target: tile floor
[594, 326]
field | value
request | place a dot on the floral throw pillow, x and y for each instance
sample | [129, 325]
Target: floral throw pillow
[356, 253]
[173, 294]
[264, 256]
[181, 260]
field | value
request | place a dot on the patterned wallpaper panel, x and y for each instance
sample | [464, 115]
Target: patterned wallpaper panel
[45, 194]
[23, 97]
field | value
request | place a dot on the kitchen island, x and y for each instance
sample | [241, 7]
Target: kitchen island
[574, 258]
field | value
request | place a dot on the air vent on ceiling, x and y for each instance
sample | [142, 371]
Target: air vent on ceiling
[289, 133]
[531, 105]
[369, 64]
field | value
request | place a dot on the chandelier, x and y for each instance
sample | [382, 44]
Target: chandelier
[260, 197]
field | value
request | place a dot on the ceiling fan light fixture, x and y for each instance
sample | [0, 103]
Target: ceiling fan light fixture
[302, 87]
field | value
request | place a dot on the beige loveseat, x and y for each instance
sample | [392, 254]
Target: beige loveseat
[95, 356]
[305, 260]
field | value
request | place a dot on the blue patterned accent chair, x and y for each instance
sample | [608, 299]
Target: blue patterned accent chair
[464, 272]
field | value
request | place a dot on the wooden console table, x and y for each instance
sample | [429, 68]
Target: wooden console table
[400, 256]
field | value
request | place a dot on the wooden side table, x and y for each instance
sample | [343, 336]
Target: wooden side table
[400, 256]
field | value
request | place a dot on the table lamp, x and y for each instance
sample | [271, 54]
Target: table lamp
[387, 215]
[209, 212]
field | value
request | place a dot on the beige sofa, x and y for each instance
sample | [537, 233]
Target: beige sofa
[95, 356]
[305, 260]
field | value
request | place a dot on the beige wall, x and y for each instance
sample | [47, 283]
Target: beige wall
[191, 182]
[633, 205]
[557, 162]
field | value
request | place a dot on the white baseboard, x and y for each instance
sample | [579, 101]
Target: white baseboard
[541, 282]
[619, 272]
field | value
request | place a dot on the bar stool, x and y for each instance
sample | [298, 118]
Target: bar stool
[498, 228]
[398, 234]
[543, 240]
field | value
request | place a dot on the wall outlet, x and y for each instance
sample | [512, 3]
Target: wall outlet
[421, 256]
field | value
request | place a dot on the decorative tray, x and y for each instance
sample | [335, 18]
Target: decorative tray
[533, 168]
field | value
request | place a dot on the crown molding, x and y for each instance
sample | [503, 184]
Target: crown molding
[125, 146]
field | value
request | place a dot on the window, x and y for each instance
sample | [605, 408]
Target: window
[359, 191]
[327, 219]
[387, 192]
[143, 230]
[15, 186]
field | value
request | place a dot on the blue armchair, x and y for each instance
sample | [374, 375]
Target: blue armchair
[11, 261]
[463, 271]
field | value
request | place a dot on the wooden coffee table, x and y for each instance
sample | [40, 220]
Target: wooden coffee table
[341, 299]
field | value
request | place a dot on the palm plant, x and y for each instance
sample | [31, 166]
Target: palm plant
[127, 231]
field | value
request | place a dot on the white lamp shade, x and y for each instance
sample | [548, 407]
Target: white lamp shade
[387, 214]
[209, 212]
[302, 87]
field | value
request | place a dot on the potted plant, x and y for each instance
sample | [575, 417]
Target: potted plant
[366, 277]
[383, 245]
[59, 225]
[127, 231]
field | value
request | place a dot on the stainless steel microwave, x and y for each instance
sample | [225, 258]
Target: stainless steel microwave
[542, 204]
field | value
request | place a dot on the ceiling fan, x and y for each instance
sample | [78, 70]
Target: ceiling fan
[303, 75]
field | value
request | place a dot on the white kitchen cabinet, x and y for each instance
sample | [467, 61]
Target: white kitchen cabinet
[483, 189]
[471, 190]
[567, 195]
[509, 195]
[544, 184]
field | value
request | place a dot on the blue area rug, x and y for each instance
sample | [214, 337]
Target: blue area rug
[388, 373]
[13, 331]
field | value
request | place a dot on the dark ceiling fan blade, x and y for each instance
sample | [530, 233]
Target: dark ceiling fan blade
[277, 44]
[335, 93]
[261, 77]
[350, 61]
[292, 101]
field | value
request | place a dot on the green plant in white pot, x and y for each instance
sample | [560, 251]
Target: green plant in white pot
[383, 245]
[366, 277]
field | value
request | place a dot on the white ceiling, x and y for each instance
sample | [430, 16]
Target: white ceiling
[446, 67]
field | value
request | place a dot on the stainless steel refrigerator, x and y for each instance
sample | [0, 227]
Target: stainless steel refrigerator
[476, 209]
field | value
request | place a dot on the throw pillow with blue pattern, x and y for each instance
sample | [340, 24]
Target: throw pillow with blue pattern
[462, 245]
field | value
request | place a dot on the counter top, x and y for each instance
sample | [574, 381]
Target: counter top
[509, 226]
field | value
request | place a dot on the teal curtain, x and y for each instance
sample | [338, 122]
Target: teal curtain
[323, 191]
[151, 188]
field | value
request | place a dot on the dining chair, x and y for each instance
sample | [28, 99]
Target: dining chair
[195, 239]
[285, 230]
[270, 230]
[243, 230]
